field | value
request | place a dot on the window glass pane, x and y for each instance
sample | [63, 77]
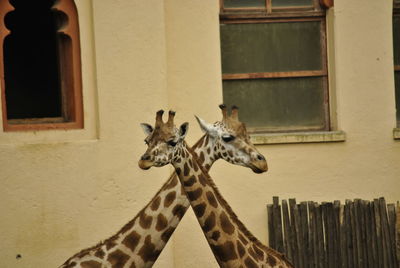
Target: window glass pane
[271, 47]
[244, 3]
[397, 86]
[396, 40]
[277, 104]
[287, 3]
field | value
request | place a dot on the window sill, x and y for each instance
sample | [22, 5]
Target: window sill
[299, 137]
[396, 133]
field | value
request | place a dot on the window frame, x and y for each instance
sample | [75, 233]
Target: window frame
[268, 14]
[396, 68]
[70, 73]
[318, 6]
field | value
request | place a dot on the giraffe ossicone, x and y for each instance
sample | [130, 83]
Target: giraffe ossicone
[231, 242]
[141, 240]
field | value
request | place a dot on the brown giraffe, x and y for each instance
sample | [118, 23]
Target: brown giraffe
[232, 244]
[139, 243]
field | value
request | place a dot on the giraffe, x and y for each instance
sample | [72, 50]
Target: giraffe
[141, 240]
[230, 241]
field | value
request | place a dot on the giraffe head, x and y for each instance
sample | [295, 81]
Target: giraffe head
[163, 141]
[230, 141]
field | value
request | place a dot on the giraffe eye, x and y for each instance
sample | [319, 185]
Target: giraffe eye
[171, 143]
[228, 138]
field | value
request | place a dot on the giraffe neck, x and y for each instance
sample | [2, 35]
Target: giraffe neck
[141, 240]
[232, 244]
[205, 152]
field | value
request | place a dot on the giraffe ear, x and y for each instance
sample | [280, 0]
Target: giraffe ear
[207, 128]
[183, 129]
[148, 129]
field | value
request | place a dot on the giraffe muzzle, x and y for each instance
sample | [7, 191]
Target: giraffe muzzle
[145, 162]
[259, 166]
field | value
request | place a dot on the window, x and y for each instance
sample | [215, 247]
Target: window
[40, 65]
[396, 56]
[274, 63]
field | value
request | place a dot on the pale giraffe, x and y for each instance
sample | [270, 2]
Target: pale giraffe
[139, 243]
[230, 241]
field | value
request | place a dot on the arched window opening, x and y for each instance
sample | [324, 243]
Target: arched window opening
[40, 53]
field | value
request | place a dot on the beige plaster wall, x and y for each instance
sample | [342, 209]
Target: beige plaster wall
[366, 165]
[60, 194]
[64, 191]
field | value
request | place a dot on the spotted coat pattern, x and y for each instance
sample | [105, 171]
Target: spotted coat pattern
[231, 242]
[140, 241]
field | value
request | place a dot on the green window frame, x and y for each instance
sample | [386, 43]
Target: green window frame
[274, 63]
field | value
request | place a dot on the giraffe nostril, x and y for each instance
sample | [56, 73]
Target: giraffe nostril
[145, 157]
[260, 157]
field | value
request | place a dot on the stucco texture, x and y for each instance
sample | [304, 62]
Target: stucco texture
[62, 191]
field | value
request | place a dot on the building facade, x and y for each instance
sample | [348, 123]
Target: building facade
[65, 189]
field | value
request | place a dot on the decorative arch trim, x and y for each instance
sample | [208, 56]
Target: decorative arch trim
[68, 41]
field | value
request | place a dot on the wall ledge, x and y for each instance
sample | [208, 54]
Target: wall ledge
[396, 133]
[299, 137]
